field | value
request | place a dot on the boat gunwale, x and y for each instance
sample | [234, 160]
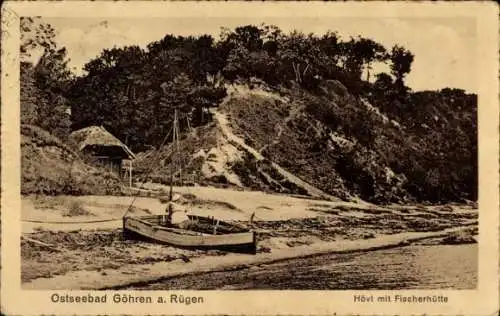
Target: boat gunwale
[180, 231]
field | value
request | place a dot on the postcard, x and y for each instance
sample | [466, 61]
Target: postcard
[249, 158]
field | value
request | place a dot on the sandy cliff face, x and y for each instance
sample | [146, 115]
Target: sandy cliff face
[287, 130]
[267, 140]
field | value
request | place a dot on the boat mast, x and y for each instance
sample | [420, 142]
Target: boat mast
[174, 152]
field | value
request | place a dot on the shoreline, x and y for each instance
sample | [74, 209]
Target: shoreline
[140, 274]
[88, 251]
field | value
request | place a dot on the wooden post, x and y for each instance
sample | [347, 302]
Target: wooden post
[130, 172]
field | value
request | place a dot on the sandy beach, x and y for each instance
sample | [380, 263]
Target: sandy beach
[65, 249]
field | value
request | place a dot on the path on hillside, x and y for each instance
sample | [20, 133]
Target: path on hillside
[226, 129]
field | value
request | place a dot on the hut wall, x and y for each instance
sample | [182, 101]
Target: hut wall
[116, 165]
[112, 164]
[109, 157]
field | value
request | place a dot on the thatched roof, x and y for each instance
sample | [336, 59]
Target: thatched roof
[98, 136]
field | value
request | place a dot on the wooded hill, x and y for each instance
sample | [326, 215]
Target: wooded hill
[425, 141]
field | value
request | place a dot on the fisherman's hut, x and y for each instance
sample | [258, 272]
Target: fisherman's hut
[106, 149]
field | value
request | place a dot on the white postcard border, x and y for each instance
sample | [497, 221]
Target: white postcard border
[482, 301]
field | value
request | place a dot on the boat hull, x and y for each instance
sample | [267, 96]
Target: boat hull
[151, 228]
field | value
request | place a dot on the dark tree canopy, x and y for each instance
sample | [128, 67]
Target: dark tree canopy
[44, 86]
[401, 63]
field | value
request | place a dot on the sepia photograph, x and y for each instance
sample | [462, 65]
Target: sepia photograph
[325, 154]
[248, 152]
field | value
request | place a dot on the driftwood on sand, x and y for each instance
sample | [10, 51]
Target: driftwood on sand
[41, 244]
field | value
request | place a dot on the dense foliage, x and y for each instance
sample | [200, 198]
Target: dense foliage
[132, 91]
[430, 139]
[44, 85]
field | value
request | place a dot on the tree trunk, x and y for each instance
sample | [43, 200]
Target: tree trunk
[296, 70]
[305, 71]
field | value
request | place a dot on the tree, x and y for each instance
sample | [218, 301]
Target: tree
[132, 92]
[370, 52]
[401, 59]
[30, 96]
[35, 35]
[383, 92]
[383, 82]
[352, 58]
[205, 58]
[43, 85]
[298, 52]
[248, 36]
[362, 52]
[237, 64]
[202, 98]
[113, 93]
[330, 46]
[52, 77]
[272, 36]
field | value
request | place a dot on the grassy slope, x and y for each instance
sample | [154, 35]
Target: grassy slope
[285, 138]
[51, 167]
[346, 146]
[338, 143]
[290, 133]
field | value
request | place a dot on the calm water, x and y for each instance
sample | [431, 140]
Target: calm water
[413, 267]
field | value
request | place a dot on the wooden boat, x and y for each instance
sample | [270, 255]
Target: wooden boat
[202, 232]
[196, 232]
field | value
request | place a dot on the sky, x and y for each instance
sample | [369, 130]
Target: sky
[444, 48]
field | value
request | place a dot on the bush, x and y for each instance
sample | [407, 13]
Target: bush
[76, 209]
[458, 238]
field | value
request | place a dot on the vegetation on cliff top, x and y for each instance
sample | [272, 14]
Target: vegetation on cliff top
[401, 144]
